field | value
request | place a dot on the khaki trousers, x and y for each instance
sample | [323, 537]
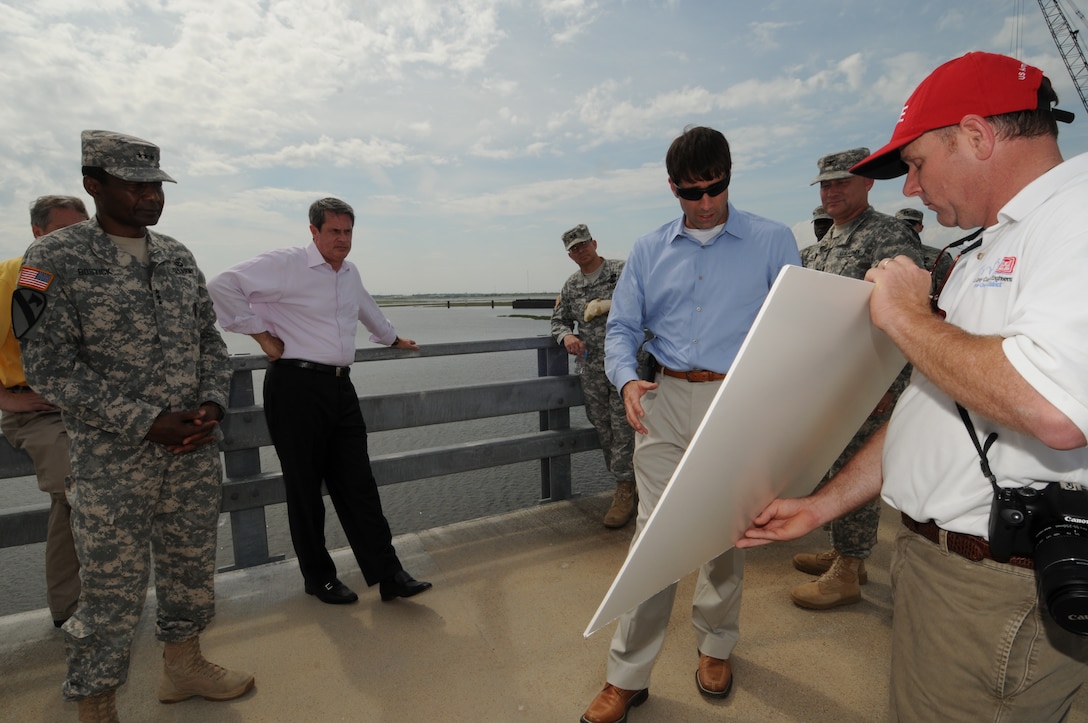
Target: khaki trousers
[43, 437]
[673, 412]
[972, 642]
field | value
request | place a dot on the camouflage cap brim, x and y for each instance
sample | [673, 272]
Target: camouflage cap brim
[139, 174]
[831, 176]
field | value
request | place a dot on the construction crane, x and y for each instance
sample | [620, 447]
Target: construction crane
[1068, 41]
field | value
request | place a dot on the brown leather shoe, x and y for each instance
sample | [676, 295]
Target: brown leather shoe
[714, 677]
[612, 703]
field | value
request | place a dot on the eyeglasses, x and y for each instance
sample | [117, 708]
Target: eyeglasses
[694, 194]
[580, 246]
[938, 285]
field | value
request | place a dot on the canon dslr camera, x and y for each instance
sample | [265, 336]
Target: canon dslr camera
[1050, 525]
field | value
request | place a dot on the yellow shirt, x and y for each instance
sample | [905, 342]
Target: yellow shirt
[11, 358]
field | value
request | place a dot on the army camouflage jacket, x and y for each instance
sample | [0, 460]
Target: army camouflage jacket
[571, 307]
[113, 343]
[866, 240]
[853, 250]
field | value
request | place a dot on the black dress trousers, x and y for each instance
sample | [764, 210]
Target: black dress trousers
[320, 436]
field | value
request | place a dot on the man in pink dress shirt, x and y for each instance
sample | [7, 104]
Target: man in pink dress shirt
[302, 305]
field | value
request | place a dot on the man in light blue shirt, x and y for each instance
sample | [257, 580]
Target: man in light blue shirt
[696, 284]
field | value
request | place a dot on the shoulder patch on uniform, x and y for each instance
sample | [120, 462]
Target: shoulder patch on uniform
[35, 278]
[27, 306]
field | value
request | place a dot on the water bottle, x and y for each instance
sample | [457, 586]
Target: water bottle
[580, 362]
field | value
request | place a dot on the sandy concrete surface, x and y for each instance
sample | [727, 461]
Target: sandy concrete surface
[499, 638]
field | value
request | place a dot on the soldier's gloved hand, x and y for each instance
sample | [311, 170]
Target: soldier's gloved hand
[597, 307]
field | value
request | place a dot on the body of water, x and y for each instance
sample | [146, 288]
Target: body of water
[410, 506]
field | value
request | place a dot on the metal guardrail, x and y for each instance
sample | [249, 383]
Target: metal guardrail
[247, 489]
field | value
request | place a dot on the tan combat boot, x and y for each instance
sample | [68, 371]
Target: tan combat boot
[624, 504]
[820, 562]
[838, 586]
[185, 673]
[101, 708]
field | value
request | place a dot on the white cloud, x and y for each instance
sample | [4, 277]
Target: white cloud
[573, 18]
[765, 35]
[492, 124]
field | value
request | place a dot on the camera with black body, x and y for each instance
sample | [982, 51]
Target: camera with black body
[1050, 525]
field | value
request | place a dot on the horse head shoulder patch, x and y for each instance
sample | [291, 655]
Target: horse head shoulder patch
[27, 306]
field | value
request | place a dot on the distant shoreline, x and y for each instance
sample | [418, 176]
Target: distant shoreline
[450, 300]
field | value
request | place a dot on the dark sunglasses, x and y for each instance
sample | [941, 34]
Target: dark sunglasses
[695, 194]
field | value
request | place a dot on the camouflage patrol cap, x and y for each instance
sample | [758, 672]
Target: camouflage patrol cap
[125, 157]
[837, 165]
[819, 213]
[578, 234]
[909, 214]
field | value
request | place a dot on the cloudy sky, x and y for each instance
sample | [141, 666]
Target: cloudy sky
[469, 134]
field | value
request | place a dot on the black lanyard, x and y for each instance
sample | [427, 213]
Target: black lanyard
[982, 448]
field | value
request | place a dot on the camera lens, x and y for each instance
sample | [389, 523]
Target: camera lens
[1061, 560]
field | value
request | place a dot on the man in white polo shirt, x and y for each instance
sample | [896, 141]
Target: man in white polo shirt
[1007, 338]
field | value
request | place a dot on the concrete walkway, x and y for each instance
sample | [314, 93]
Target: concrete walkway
[499, 638]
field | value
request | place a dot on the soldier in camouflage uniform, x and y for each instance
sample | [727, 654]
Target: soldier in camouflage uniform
[912, 217]
[821, 222]
[118, 331]
[938, 264]
[584, 302]
[858, 240]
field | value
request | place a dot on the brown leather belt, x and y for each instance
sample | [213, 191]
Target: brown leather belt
[315, 367]
[695, 375]
[969, 546]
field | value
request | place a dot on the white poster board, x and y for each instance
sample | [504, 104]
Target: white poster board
[810, 371]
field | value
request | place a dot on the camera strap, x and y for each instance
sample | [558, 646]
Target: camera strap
[982, 448]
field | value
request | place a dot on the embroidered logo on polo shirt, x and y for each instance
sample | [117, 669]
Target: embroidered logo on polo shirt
[997, 275]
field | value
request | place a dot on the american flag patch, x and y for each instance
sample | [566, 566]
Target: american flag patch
[35, 278]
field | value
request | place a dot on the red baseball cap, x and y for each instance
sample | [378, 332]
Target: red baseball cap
[981, 83]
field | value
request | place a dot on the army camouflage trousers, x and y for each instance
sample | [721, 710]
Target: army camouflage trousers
[124, 504]
[855, 533]
[605, 411]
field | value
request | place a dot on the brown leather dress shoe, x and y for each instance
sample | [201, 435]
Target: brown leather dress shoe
[714, 677]
[612, 703]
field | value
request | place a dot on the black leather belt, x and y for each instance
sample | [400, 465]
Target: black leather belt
[970, 546]
[315, 367]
